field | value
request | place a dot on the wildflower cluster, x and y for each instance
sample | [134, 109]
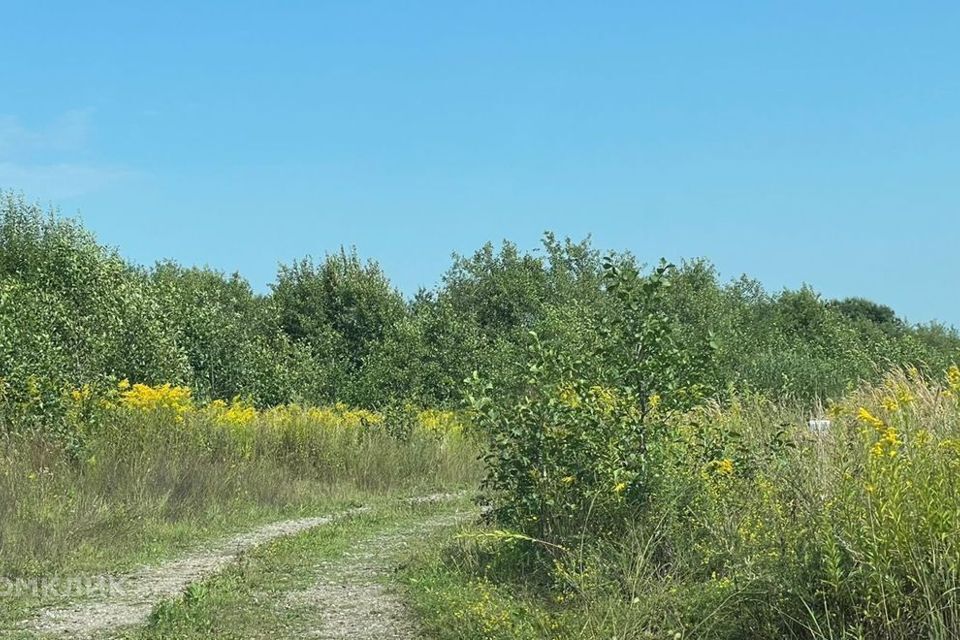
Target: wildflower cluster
[236, 413]
[899, 398]
[241, 415]
[724, 467]
[440, 422]
[604, 399]
[953, 381]
[887, 441]
[338, 416]
[164, 398]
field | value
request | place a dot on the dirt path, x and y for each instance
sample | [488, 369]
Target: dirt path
[137, 593]
[350, 598]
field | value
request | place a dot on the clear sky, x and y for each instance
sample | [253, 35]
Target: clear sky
[813, 142]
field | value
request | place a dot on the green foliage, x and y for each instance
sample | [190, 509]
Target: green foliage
[341, 304]
[73, 313]
[568, 455]
[231, 337]
[425, 357]
[564, 458]
[754, 527]
[867, 311]
[105, 316]
[649, 358]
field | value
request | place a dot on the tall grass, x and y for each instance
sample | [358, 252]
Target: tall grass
[762, 528]
[757, 526]
[153, 470]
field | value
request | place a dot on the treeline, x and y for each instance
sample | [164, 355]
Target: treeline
[74, 313]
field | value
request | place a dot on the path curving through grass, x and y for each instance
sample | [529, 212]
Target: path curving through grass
[334, 590]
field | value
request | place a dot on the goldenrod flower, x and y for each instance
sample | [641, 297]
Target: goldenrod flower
[605, 398]
[887, 445]
[868, 418]
[724, 467]
[569, 396]
[238, 413]
[953, 379]
[890, 404]
[163, 398]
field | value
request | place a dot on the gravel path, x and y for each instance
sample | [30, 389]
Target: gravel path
[350, 598]
[137, 593]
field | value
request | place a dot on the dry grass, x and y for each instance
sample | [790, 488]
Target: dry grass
[755, 527]
[147, 480]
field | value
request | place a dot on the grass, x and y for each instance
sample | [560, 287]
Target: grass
[148, 481]
[257, 598]
[754, 527]
[751, 525]
[152, 481]
[456, 596]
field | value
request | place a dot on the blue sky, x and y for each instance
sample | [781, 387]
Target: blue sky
[813, 142]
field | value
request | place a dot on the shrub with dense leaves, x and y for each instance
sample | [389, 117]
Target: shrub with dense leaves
[570, 454]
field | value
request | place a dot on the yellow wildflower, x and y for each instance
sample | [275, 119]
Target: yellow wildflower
[163, 398]
[836, 411]
[904, 395]
[868, 418]
[570, 397]
[33, 387]
[605, 398]
[435, 421]
[890, 404]
[654, 401]
[238, 413]
[953, 379]
[887, 445]
[724, 467]
[81, 395]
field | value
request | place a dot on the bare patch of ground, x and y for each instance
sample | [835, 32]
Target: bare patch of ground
[131, 602]
[350, 598]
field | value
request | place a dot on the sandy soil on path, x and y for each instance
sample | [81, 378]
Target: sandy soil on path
[350, 598]
[138, 592]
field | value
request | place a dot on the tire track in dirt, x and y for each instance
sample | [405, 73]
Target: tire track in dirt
[350, 598]
[140, 591]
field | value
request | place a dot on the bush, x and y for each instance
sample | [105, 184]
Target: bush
[569, 455]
